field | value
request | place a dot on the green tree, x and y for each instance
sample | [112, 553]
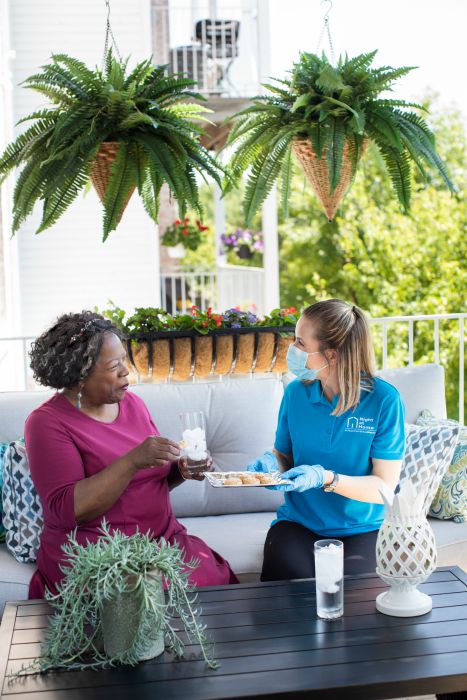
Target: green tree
[384, 261]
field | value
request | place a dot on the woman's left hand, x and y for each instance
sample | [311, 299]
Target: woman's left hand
[303, 478]
[187, 474]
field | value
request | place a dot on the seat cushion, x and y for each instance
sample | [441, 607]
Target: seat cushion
[421, 386]
[14, 578]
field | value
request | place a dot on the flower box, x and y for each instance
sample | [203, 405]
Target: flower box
[182, 355]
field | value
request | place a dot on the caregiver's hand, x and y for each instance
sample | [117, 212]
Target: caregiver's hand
[303, 478]
[267, 463]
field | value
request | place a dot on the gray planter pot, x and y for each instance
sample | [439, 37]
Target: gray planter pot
[121, 618]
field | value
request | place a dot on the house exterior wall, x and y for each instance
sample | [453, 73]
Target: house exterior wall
[68, 268]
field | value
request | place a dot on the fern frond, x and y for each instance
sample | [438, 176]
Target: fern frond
[63, 195]
[137, 119]
[319, 136]
[27, 191]
[263, 175]
[163, 161]
[286, 178]
[190, 111]
[84, 75]
[53, 93]
[121, 180]
[151, 190]
[421, 142]
[14, 152]
[50, 114]
[334, 152]
[398, 166]
[381, 120]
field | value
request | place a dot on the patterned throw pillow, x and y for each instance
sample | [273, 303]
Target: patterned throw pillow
[3, 446]
[428, 454]
[22, 509]
[450, 501]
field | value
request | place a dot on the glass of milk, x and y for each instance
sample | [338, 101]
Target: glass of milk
[329, 573]
[193, 444]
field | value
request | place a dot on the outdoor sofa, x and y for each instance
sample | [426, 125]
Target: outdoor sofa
[241, 418]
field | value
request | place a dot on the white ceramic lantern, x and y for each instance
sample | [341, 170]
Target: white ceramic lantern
[405, 555]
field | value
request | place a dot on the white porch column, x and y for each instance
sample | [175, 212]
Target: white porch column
[269, 213]
[271, 253]
[160, 39]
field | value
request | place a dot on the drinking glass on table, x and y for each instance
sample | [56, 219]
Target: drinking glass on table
[329, 576]
[195, 458]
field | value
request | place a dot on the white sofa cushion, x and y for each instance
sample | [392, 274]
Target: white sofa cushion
[421, 387]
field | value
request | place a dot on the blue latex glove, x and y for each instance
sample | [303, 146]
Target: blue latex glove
[303, 478]
[267, 463]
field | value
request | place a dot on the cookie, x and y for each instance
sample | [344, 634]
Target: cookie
[267, 478]
[232, 481]
[248, 480]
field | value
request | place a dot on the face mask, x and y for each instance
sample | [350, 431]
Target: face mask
[296, 362]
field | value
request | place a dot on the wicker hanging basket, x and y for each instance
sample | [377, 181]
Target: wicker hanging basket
[101, 167]
[316, 170]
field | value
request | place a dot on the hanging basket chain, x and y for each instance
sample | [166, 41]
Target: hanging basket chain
[326, 29]
[109, 35]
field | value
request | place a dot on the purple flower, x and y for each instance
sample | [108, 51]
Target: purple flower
[236, 325]
[258, 245]
[251, 318]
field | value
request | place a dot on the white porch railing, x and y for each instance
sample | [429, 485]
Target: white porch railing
[394, 348]
[229, 286]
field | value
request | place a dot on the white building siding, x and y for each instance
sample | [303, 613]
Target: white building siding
[68, 268]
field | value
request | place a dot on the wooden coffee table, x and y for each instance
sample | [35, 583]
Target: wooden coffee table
[271, 645]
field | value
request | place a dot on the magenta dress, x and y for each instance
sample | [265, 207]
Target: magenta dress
[64, 446]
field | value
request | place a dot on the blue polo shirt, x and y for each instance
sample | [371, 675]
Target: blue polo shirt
[346, 443]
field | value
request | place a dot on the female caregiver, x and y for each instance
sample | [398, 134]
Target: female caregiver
[94, 451]
[339, 438]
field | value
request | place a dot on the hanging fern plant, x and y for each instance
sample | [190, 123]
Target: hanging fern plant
[126, 130]
[325, 115]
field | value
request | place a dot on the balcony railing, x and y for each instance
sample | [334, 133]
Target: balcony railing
[231, 285]
[396, 341]
[216, 46]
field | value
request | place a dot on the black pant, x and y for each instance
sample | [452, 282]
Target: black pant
[288, 552]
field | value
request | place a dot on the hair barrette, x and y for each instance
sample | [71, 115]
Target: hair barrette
[85, 328]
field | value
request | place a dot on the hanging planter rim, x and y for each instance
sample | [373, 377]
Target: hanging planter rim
[193, 333]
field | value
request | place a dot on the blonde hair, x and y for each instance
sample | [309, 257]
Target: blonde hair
[342, 327]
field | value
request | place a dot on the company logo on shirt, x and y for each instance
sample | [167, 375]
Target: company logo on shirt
[360, 425]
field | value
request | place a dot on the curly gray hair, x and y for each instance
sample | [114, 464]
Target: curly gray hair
[64, 355]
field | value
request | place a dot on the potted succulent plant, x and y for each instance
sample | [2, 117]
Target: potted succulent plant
[203, 343]
[325, 115]
[123, 129]
[116, 602]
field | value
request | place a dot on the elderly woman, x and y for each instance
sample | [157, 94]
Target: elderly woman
[94, 451]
